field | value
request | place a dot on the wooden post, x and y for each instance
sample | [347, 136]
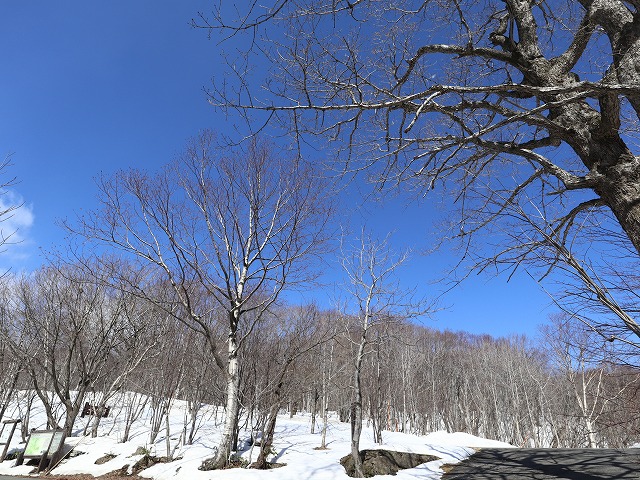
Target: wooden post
[13, 429]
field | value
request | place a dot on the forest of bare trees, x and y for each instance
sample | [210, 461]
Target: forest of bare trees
[553, 392]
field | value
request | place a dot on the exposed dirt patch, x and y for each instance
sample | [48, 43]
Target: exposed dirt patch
[146, 462]
[447, 467]
[105, 459]
[385, 462]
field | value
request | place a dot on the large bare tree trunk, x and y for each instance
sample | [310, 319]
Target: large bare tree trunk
[232, 407]
[621, 191]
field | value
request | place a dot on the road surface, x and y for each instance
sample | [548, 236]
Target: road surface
[549, 464]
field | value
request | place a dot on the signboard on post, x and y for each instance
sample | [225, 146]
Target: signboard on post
[43, 444]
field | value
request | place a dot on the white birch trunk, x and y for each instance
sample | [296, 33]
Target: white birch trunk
[232, 405]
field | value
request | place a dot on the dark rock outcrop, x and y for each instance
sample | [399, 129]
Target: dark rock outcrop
[385, 462]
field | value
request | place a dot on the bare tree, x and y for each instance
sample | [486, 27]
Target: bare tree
[164, 385]
[292, 333]
[66, 326]
[513, 100]
[134, 405]
[199, 386]
[11, 367]
[135, 341]
[587, 370]
[597, 284]
[226, 232]
[375, 296]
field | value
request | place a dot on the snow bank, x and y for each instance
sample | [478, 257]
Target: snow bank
[294, 446]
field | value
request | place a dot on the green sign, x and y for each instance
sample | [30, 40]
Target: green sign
[44, 442]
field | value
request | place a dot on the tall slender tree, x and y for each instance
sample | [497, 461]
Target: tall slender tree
[225, 232]
[375, 296]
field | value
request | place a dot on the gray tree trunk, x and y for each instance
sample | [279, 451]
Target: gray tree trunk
[356, 409]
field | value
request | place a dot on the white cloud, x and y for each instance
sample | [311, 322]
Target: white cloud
[16, 221]
[15, 224]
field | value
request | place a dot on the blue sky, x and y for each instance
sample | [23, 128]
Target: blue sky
[90, 87]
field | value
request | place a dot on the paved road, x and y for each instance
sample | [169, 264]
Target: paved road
[548, 464]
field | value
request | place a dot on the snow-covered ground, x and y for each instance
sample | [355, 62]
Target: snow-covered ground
[294, 445]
